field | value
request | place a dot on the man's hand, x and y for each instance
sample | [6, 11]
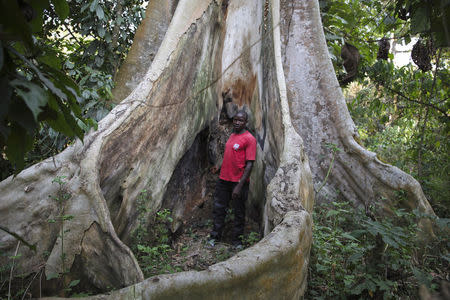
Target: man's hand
[236, 191]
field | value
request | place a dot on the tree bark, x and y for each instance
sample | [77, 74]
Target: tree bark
[136, 147]
[146, 42]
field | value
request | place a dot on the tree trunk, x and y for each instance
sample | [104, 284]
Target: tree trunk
[146, 42]
[320, 115]
[212, 52]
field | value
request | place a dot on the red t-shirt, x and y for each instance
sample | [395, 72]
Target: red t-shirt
[238, 149]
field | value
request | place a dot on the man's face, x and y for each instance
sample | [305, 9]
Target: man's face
[239, 122]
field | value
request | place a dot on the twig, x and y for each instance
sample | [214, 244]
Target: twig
[335, 149]
[417, 101]
[328, 173]
[28, 287]
[12, 269]
[40, 285]
[59, 38]
[1, 286]
[75, 38]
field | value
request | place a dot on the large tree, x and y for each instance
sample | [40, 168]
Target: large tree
[251, 54]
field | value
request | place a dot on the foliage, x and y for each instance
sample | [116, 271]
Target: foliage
[426, 18]
[141, 232]
[33, 87]
[364, 23]
[151, 239]
[356, 256]
[250, 239]
[154, 254]
[61, 198]
[401, 114]
[352, 21]
[105, 31]
[57, 62]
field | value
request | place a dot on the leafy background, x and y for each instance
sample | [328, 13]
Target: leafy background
[58, 59]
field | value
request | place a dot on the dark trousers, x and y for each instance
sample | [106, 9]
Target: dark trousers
[222, 196]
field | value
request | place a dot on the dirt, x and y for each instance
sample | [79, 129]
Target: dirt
[190, 248]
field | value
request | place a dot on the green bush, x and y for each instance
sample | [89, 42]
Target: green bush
[358, 256]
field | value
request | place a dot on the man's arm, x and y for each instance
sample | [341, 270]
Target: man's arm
[245, 176]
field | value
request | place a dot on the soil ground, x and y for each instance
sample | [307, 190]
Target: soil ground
[190, 250]
[198, 253]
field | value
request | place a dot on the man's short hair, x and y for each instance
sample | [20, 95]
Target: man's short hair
[242, 112]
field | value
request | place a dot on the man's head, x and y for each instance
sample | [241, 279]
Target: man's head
[239, 121]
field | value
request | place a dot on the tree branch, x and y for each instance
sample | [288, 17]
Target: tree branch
[74, 37]
[417, 101]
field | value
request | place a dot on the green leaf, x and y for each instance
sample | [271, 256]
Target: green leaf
[101, 31]
[359, 288]
[68, 87]
[99, 61]
[331, 212]
[332, 37]
[49, 84]
[93, 6]
[108, 37]
[343, 21]
[14, 24]
[420, 20]
[99, 12]
[69, 64]
[71, 121]
[348, 236]
[32, 94]
[50, 58]
[389, 20]
[59, 123]
[20, 114]
[355, 257]
[390, 241]
[422, 277]
[67, 217]
[19, 142]
[74, 283]
[38, 6]
[61, 8]
[52, 276]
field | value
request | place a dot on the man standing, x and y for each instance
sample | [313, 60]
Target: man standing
[240, 153]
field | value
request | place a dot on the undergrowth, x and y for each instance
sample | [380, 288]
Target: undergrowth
[159, 252]
[151, 244]
[356, 255]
